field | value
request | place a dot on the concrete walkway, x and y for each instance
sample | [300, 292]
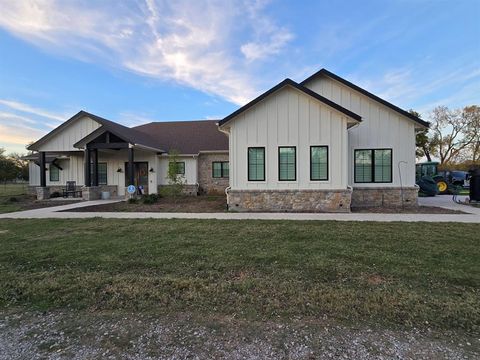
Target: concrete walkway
[445, 201]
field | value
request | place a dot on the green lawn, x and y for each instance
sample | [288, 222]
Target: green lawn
[392, 273]
[13, 189]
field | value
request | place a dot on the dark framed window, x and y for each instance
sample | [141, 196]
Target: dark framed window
[54, 173]
[102, 173]
[180, 167]
[373, 165]
[318, 163]
[287, 163]
[256, 164]
[220, 169]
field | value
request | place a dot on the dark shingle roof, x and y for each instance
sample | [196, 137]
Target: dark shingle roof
[187, 137]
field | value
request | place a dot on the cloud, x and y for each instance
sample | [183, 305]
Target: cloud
[190, 43]
[31, 110]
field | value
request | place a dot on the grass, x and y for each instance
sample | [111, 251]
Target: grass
[13, 189]
[393, 273]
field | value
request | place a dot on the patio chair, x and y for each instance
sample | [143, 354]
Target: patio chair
[71, 188]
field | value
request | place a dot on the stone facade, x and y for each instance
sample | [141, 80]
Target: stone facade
[384, 197]
[206, 182]
[43, 193]
[91, 193]
[290, 200]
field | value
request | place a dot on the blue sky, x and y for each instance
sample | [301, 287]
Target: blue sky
[151, 60]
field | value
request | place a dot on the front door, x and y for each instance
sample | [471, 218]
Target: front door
[140, 175]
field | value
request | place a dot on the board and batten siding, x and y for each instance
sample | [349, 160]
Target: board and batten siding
[72, 170]
[71, 134]
[288, 117]
[381, 127]
[190, 177]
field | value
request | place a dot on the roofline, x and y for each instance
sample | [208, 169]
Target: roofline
[368, 94]
[290, 82]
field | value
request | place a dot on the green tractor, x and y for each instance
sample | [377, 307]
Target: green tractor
[432, 181]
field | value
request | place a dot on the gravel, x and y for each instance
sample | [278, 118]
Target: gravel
[73, 335]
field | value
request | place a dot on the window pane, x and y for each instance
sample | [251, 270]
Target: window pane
[363, 166]
[319, 162]
[256, 164]
[102, 174]
[226, 169]
[383, 165]
[287, 163]
[217, 169]
[54, 173]
[180, 167]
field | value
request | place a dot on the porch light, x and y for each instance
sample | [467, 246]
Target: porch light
[119, 170]
[151, 170]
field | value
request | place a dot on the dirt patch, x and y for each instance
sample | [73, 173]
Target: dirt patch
[407, 210]
[188, 204]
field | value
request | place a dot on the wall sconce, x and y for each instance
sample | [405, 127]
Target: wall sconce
[151, 170]
[119, 170]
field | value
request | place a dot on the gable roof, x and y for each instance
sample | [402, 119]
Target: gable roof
[289, 82]
[129, 135]
[333, 76]
[187, 137]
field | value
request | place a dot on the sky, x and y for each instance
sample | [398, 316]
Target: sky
[152, 60]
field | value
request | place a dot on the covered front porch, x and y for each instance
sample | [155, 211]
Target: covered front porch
[106, 163]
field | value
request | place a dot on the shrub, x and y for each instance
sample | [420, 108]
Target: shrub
[13, 199]
[55, 194]
[150, 198]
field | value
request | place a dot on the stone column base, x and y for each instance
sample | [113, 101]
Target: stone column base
[91, 193]
[43, 193]
[290, 200]
[384, 196]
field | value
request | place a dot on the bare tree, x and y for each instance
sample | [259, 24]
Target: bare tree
[451, 134]
[472, 132]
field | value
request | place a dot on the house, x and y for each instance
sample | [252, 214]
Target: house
[101, 155]
[324, 144]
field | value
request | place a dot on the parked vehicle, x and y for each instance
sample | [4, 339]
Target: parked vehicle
[447, 181]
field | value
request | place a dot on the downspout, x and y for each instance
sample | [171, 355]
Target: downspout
[401, 184]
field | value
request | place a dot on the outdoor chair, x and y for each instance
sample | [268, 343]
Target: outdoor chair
[71, 188]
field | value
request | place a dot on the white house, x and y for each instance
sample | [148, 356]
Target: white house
[323, 144]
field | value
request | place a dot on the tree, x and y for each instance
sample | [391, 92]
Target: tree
[425, 146]
[176, 179]
[451, 135]
[472, 116]
[21, 164]
[8, 168]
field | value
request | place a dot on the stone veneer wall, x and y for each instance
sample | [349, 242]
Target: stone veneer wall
[290, 200]
[206, 182]
[384, 197]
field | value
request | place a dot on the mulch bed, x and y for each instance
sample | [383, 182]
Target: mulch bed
[407, 210]
[29, 202]
[189, 204]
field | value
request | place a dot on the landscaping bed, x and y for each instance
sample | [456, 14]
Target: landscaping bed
[192, 204]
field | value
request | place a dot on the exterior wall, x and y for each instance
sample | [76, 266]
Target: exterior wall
[73, 170]
[207, 183]
[290, 200]
[64, 140]
[190, 169]
[381, 127]
[384, 197]
[288, 118]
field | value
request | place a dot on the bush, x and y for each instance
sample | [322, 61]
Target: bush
[150, 198]
[55, 194]
[13, 199]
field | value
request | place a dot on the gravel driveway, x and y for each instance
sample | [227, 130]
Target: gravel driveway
[130, 336]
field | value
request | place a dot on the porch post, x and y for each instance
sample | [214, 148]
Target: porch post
[131, 175]
[87, 167]
[95, 167]
[43, 170]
